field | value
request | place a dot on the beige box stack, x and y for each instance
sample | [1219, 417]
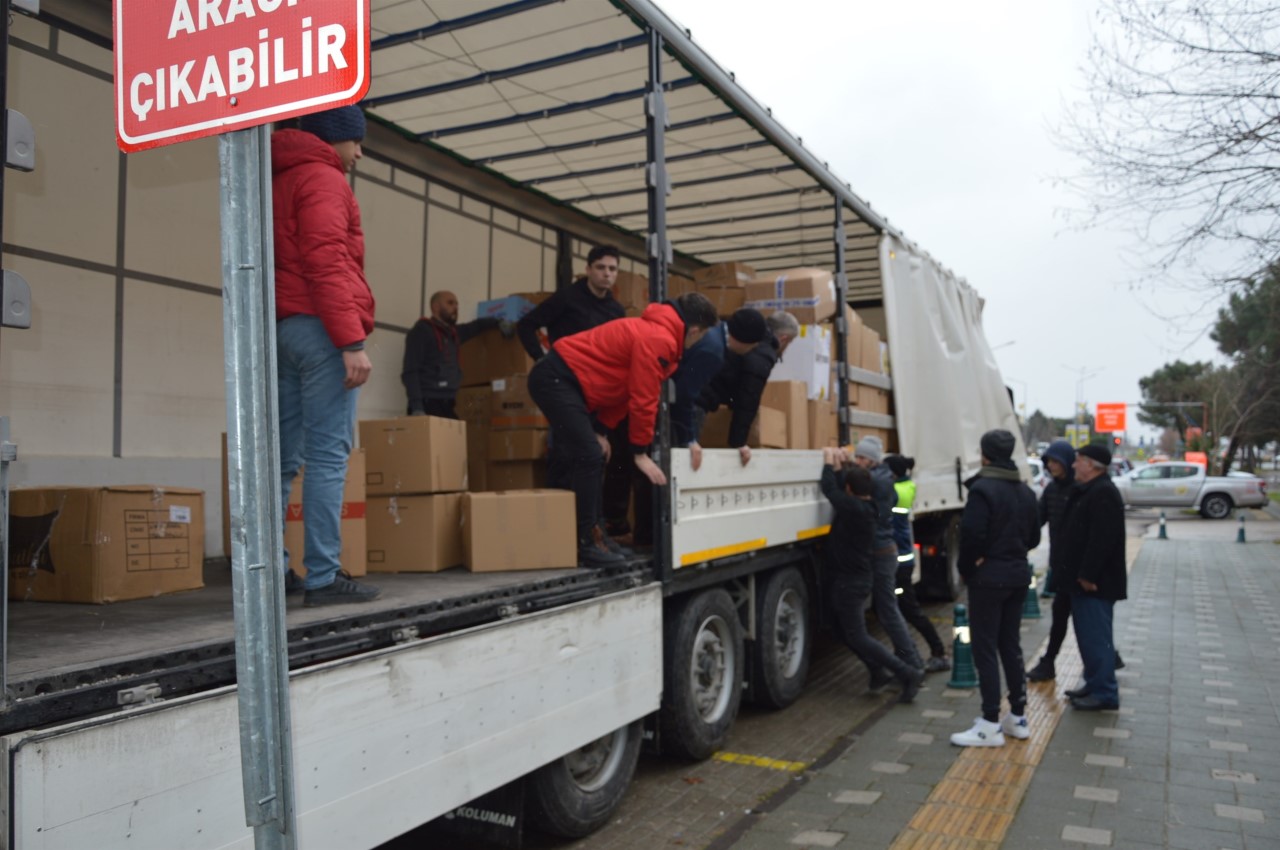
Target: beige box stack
[866, 351]
[768, 431]
[806, 293]
[792, 399]
[517, 446]
[527, 530]
[474, 405]
[724, 284]
[416, 472]
[490, 355]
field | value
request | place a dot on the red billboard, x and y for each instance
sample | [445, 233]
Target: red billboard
[1110, 418]
[185, 69]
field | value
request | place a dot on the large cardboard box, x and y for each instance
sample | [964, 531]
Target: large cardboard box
[515, 475]
[807, 294]
[354, 508]
[415, 534]
[726, 299]
[808, 359]
[104, 544]
[519, 444]
[724, 274]
[491, 355]
[531, 530]
[414, 454]
[678, 285]
[631, 290]
[870, 355]
[474, 406]
[869, 399]
[513, 407]
[768, 431]
[792, 398]
[824, 428]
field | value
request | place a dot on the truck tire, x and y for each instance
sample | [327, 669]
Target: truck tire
[780, 664]
[575, 795]
[702, 677]
[1216, 506]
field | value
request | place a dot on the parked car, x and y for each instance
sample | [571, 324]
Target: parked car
[1120, 465]
[1177, 484]
[1039, 476]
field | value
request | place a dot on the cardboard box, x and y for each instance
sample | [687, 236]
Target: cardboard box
[768, 431]
[532, 530]
[474, 405]
[478, 456]
[515, 475]
[519, 444]
[513, 407]
[727, 299]
[631, 290]
[792, 398]
[678, 284]
[869, 356]
[104, 544]
[824, 428]
[415, 534]
[354, 508]
[808, 359]
[724, 274]
[491, 355]
[414, 454]
[807, 294]
[869, 399]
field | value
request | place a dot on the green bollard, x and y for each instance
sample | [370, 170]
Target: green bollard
[1240, 533]
[1031, 607]
[963, 673]
[1163, 534]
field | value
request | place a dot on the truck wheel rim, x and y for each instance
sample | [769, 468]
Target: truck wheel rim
[592, 766]
[711, 667]
[789, 633]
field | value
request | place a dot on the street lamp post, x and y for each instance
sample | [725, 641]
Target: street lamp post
[1083, 374]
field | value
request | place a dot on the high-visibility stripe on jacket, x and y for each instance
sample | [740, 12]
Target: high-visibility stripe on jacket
[906, 493]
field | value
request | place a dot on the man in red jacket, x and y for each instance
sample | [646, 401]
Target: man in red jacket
[591, 381]
[324, 312]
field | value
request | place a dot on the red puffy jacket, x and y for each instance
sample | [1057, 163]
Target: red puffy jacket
[319, 243]
[621, 366]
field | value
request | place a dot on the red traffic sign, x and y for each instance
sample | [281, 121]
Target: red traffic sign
[185, 69]
[1110, 418]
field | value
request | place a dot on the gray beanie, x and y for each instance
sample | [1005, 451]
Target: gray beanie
[871, 448]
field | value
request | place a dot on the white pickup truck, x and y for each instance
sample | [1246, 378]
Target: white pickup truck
[1177, 484]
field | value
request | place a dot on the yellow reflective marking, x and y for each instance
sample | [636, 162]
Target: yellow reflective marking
[723, 551]
[757, 761]
[809, 533]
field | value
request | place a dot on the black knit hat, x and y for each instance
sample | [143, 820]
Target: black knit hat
[747, 325]
[997, 445]
[344, 124]
[1101, 454]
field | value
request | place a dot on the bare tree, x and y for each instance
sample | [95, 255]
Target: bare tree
[1182, 128]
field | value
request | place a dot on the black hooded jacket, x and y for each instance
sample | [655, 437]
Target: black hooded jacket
[1092, 540]
[1000, 525]
[847, 549]
[432, 367]
[740, 384]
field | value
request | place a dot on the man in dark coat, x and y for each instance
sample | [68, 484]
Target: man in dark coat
[1094, 573]
[432, 369]
[1000, 524]
[585, 304]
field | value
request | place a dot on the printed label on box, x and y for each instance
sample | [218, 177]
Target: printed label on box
[180, 513]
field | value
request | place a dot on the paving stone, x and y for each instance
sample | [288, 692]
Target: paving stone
[1105, 732]
[1221, 701]
[1224, 721]
[1239, 813]
[818, 838]
[858, 798]
[1087, 835]
[936, 714]
[1229, 746]
[915, 738]
[1217, 683]
[1101, 760]
[1097, 795]
[1237, 776]
[890, 767]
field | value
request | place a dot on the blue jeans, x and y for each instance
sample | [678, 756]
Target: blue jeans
[884, 582]
[1092, 619]
[317, 415]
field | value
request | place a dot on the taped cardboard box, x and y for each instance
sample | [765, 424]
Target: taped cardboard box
[808, 294]
[808, 359]
[869, 357]
[824, 429]
[104, 544]
[414, 454]
[870, 399]
[354, 508]
[491, 355]
[792, 398]
[768, 431]
[415, 534]
[530, 530]
[513, 407]
[515, 475]
[519, 444]
[474, 405]
[726, 299]
[724, 274]
[631, 290]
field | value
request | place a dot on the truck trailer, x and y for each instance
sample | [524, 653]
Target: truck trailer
[505, 138]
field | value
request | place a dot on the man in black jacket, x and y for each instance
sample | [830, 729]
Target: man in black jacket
[1058, 460]
[1094, 573]
[1000, 524]
[587, 303]
[432, 369]
[740, 381]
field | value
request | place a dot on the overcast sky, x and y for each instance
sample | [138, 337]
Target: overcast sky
[941, 114]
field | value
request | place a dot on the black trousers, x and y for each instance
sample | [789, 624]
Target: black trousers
[1058, 628]
[577, 459]
[849, 614]
[619, 471]
[995, 614]
[442, 407]
[909, 605]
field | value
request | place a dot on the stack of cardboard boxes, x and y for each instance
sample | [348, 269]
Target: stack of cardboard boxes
[867, 352]
[516, 448]
[724, 284]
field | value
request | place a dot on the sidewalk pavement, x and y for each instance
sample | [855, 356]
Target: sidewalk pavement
[1191, 759]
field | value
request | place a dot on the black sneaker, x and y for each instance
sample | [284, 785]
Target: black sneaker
[911, 682]
[1042, 672]
[595, 553]
[293, 585]
[617, 548]
[341, 592]
[879, 678]
[937, 664]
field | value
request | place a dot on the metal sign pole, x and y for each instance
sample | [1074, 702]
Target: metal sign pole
[253, 472]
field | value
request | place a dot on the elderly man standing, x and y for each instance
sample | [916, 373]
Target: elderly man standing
[1093, 571]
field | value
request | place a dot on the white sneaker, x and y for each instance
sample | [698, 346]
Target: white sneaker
[1015, 726]
[983, 734]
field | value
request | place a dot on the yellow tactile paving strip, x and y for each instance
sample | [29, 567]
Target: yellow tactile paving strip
[974, 804]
